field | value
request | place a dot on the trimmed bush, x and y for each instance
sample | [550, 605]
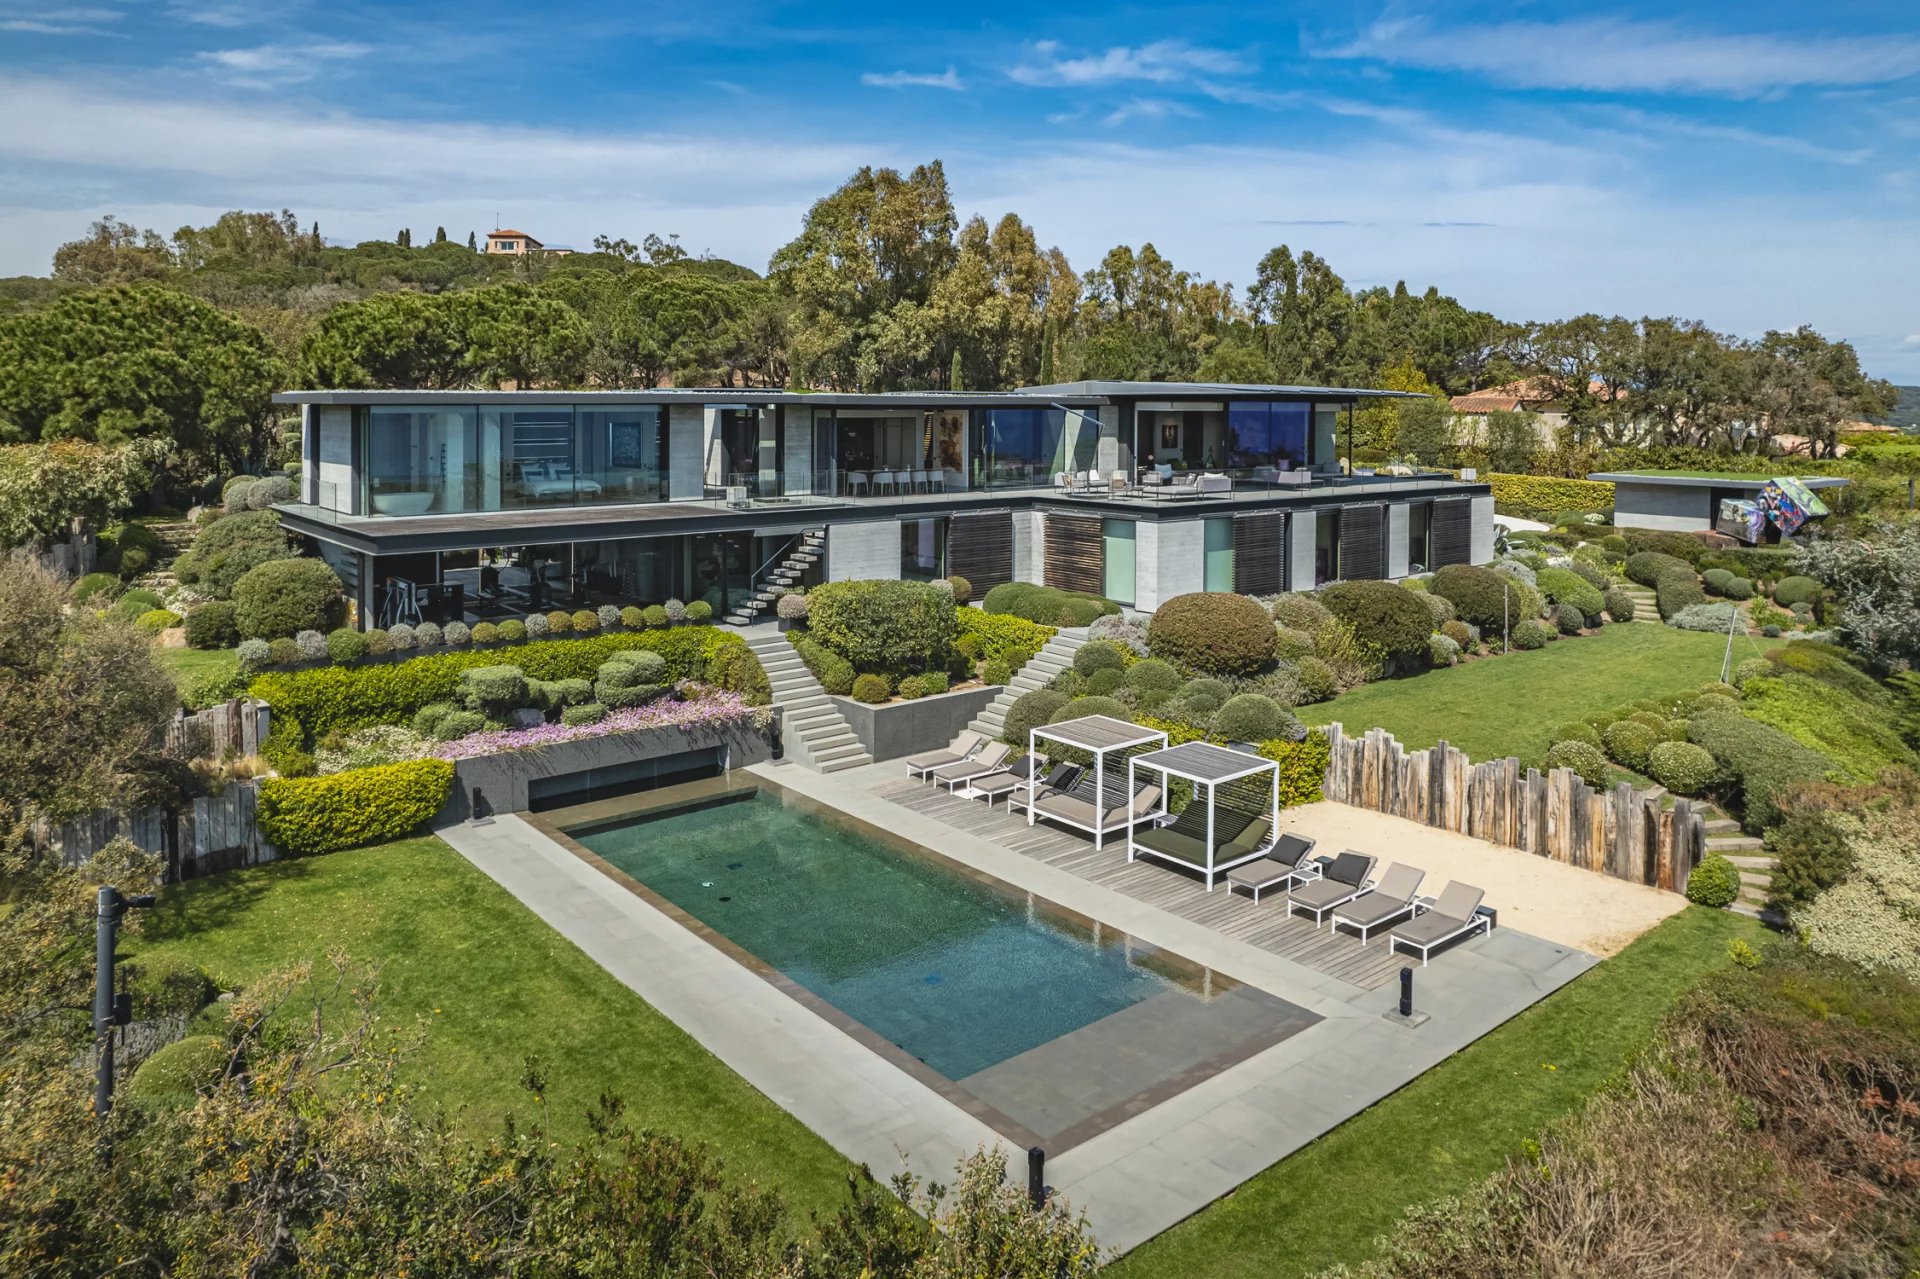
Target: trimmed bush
[281, 597]
[427, 720]
[657, 616]
[1714, 882]
[871, 689]
[1484, 598]
[607, 616]
[1648, 567]
[1214, 633]
[1083, 706]
[1619, 605]
[456, 635]
[1681, 767]
[1316, 679]
[283, 651]
[1586, 761]
[1577, 732]
[633, 617]
[1152, 674]
[1564, 586]
[1439, 607]
[1047, 605]
[791, 607]
[253, 654]
[1099, 655]
[559, 622]
[1250, 718]
[583, 713]
[699, 611]
[1762, 760]
[312, 646]
[992, 671]
[1442, 650]
[102, 586]
[1103, 683]
[1712, 618]
[735, 669]
[1460, 634]
[834, 672]
[176, 1074]
[1628, 742]
[1290, 645]
[1302, 612]
[344, 644]
[486, 633]
[1738, 588]
[962, 589]
[537, 625]
[1567, 619]
[513, 631]
[351, 809]
[1789, 591]
[1532, 634]
[1386, 615]
[1028, 712]
[155, 620]
[226, 551]
[1715, 580]
[1681, 546]
[887, 627]
[1676, 591]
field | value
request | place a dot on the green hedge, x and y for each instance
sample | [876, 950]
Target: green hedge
[1047, 605]
[1303, 764]
[308, 705]
[1761, 760]
[1386, 615]
[885, 627]
[350, 809]
[1214, 633]
[1013, 640]
[1564, 586]
[1544, 493]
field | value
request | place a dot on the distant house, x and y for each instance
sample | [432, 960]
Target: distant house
[519, 244]
[1529, 395]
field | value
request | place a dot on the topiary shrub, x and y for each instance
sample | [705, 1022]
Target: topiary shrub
[1103, 683]
[1568, 620]
[1289, 645]
[253, 655]
[350, 809]
[226, 551]
[1484, 598]
[1442, 650]
[1714, 580]
[834, 672]
[1648, 567]
[1762, 761]
[457, 635]
[1316, 679]
[181, 1071]
[95, 586]
[1789, 591]
[1152, 674]
[1682, 546]
[1300, 612]
[1440, 607]
[1386, 615]
[400, 637]
[1047, 605]
[1628, 742]
[559, 622]
[994, 671]
[1214, 633]
[167, 986]
[584, 622]
[282, 597]
[1714, 882]
[155, 620]
[1564, 586]
[1681, 767]
[1577, 732]
[1714, 618]
[1460, 634]
[699, 611]
[1250, 718]
[1673, 592]
[791, 608]
[584, 713]
[535, 626]
[485, 633]
[427, 720]
[657, 616]
[1738, 588]
[1099, 655]
[608, 617]
[1080, 707]
[493, 691]
[1585, 761]
[312, 646]
[1531, 634]
[1619, 606]
[1028, 712]
[283, 651]
[871, 689]
[514, 631]
[884, 626]
[962, 589]
[633, 617]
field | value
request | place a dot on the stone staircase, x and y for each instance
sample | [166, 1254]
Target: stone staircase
[781, 576]
[174, 537]
[813, 732]
[1749, 856]
[1050, 661]
[1645, 607]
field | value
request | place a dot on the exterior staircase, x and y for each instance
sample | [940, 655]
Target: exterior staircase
[174, 537]
[1749, 856]
[812, 731]
[1050, 661]
[780, 576]
[1645, 608]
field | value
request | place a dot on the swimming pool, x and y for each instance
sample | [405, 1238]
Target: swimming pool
[1047, 1018]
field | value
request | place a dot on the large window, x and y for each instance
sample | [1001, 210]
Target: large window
[923, 549]
[1219, 553]
[528, 456]
[1267, 436]
[620, 455]
[1028, 446]
[1419, 536]
[1119, 554]
[421, 461]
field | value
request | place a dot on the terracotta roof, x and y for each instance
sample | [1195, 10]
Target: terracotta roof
[509, 234]
[1515, 395]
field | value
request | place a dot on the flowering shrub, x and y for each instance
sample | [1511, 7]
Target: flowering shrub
[791, 608]
[368, 747]
[312, 646]
[707, 709]
[675, 611]
[608, 616]
[400, 637]
[457, 635]
[534, 627]
[428, 635]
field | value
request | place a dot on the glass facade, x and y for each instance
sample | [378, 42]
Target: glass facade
[1219, 555]
[1272, 436]
[923, 549]
[1419, 540]
[437, 460]
[1019, 447]
[1120, 560]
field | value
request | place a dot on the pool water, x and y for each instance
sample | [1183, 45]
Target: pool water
[950, 970]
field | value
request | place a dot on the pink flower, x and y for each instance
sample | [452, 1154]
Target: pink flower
[705, 710]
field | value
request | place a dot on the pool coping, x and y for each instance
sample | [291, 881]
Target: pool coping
[556, 824]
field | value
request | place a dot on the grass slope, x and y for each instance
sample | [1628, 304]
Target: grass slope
[190, 664]
[496, 985]
[1451, 1127]
[1510, 705]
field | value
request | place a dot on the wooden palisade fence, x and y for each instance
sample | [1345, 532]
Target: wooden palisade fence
[1619, 832]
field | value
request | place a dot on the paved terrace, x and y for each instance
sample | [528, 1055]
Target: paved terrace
[1138, 1177]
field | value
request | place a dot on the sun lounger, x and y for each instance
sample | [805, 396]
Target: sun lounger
[1341, 882]
[1386, 901]
[1287, 862]
[986, 760]
[1185, 838]
[1063, 777]
[962, 747]
[1079, 810]
[1003, 781]
[1454, 914]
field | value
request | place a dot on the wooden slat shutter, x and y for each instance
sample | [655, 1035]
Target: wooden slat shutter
[1452, 531]
[980, 549]
[1260, 553]
[1076, 553]
[1363, 542]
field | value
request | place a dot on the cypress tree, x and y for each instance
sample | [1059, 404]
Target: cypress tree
[473, 245]
[956, 377]
[439, 235]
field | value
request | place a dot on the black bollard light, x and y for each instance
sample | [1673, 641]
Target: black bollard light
[479, 809]
[1406, 992]
[1037, 1178]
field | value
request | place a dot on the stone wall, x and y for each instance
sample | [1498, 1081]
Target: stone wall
[898, 729]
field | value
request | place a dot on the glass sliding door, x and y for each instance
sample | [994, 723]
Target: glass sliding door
[1119, 554]
[923, 549]
[1267, 436]
[723, 567]
[621, 455]
[527, 458]
[1219, 555]
[1016, 448]
[1419, 541]
[421, 461]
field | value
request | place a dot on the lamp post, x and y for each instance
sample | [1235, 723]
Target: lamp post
[109, 1009]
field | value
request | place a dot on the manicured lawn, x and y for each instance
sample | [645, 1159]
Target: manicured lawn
[494, 984]
[190, 664]
[1451, 1127]
[1510, 705]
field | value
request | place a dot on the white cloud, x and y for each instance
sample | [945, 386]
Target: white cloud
[1161, 62]
[1911, 342]
[948, 79]
[1614, 55]
[1148, 109]
[60, 20]
[271, 64]
[226, 14]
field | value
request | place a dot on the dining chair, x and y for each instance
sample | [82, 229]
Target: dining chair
[883, 480]
[938, 477]
[923, 480]
[856, 482]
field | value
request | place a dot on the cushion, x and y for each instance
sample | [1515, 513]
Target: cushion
[1350, 868]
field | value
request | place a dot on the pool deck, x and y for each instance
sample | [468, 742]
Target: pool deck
[1134, 1179]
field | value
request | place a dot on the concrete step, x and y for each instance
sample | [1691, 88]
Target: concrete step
[851, 761]
[1734, 843]
[838, 751]
[1722, 826]
[1754, 863]
[1759, 880]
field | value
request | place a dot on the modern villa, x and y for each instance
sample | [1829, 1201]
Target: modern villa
[443, 505]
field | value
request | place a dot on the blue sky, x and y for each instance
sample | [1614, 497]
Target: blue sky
[1754, 166]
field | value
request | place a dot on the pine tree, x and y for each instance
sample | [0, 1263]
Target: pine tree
[956, 377]
[473, 245]
[439, 235]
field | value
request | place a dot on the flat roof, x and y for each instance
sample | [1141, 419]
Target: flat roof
[1099, 733]
[1713, 479]
[1205, 762]
[1061, 395]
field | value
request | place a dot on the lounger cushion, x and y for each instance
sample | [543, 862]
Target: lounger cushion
[1268, 870]
[1458, 901]
[958, 749]
[985, 762]
[1070, 808]
[1322, 893]
[1246, 841]
[1171, 842]
[1428, 929]
[1350, 868]
[1290, 849]
[1369, 909]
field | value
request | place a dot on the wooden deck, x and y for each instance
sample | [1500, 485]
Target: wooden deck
[1267, 925]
